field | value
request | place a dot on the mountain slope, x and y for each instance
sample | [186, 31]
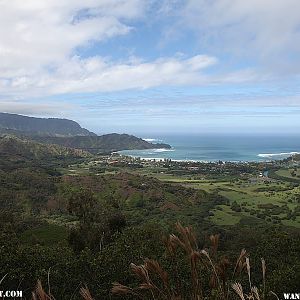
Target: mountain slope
[11, 146]
[104, 143]
[68, 133]
[41, 126]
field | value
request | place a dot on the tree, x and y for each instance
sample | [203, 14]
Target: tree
[97, 221]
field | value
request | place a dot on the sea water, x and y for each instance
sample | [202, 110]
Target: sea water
[224, 147]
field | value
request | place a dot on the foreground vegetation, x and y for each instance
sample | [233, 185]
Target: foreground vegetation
[204, 275]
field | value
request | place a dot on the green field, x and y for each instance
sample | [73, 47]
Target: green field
[289, 173]
[255, 200]
[273, 202]
[48, 235]
[224, 215]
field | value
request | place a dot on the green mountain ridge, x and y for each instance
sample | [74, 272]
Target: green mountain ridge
[41, 126]
[13, 146]
[104, 143]
[69, 134]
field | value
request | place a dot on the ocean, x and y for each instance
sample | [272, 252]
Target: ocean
[235, 148]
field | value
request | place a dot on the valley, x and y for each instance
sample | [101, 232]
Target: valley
[73, 217]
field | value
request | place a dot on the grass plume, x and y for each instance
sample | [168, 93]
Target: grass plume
[222, 286]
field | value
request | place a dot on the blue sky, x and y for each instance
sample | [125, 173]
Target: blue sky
[154, 67]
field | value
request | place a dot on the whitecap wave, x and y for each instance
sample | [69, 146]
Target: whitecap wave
[266, 155]
[159, 150]
[150, 140]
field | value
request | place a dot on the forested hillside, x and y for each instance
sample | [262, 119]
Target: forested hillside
[41, 126]
[12, 146]
[103, 143]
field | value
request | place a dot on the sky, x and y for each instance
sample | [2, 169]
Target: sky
[154, 66]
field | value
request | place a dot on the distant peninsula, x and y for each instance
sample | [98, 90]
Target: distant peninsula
[69, 134]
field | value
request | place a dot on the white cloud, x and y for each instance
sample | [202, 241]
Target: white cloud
[265, 30]
[38, 42]
[36, 109]
[96, 74]
[37, 34]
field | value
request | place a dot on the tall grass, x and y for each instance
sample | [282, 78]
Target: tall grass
[156, 283]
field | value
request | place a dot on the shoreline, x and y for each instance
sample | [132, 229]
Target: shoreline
[160, 159]
[261, 157]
